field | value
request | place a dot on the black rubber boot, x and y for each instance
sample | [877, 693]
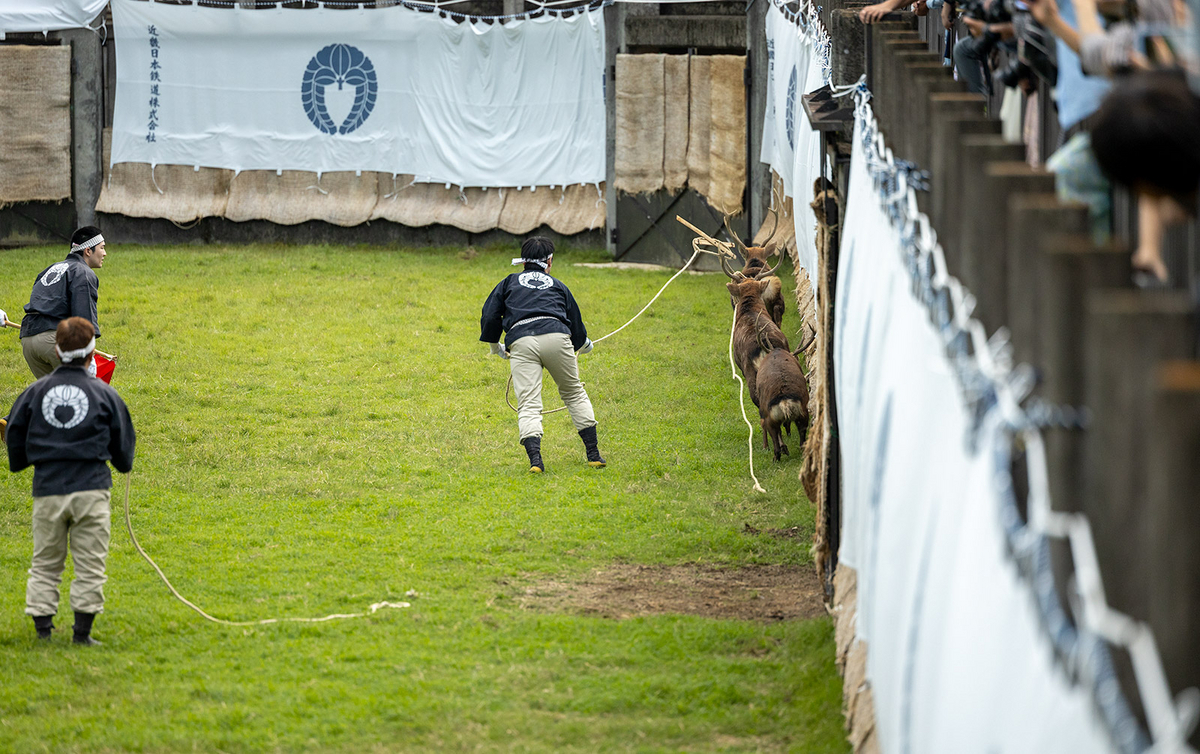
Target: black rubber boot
[533, 447]
[593, 450]
[83, 629]
[44, 625]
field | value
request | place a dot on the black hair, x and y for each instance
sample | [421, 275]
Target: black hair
[85, 234]
[1147, 134]
[538, 247]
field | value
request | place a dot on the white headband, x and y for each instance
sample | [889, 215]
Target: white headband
[543, 263]
[69, 356]
[95, 240]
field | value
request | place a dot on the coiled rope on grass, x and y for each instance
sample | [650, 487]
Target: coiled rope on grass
[266, 621]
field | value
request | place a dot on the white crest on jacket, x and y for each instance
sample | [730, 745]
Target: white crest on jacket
[65, 395]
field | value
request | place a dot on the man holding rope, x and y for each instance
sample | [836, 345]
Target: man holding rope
[544, 330]
[68, 425]
[68, 288]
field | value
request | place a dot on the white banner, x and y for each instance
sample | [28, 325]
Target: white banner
[958, 660]
[47, 15]
[789, 145]
[392, 90]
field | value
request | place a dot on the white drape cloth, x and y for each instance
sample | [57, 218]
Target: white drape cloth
[957, 659]
[48, 15]
[392, 90]
[789, 145]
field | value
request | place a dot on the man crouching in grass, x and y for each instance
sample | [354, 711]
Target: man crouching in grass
[545, 330]
[67, 425]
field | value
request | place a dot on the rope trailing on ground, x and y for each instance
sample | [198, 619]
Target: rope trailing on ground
[742, 403]
[686, 264]
[335, 616]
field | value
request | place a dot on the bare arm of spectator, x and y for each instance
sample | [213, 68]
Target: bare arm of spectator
[1045, 12]
[873, 13]
[948, 15]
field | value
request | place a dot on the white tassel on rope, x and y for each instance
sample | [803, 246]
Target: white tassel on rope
[266, 621]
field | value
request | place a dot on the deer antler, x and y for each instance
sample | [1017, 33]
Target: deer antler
[741, 246]
[768, 273]
[774, 215]
[726, 268]
[812, 339]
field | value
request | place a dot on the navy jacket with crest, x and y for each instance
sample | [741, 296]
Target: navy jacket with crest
[64, 289]
[67, 425]
[527, 294]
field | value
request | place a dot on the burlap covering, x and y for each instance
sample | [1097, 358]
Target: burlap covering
[676, 92]
[186, 194]
[297, 196]
[819, 445]
[567, 211]
[727, 170]
[640, 114]
[35, 123]
[858, 703]
[293, 198]
[699, 124]
[419, 204]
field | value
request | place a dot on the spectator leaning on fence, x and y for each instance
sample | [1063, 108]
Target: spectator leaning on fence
[1147, 137]
[544, 330]
[1078, 176]
[68, 426]
[68, 288]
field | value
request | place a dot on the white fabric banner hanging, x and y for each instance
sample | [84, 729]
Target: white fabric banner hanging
[806, 167]
[48, 15]
[789, 144]
[958, 660]
[391, 89]
[787, 69]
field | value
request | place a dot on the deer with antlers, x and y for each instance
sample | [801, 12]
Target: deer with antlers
[757, 267]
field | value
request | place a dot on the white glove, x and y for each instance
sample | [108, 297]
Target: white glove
[3, 318]
[498, 349]
[585, 348]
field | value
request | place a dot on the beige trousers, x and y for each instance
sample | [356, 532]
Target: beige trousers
[40, 354]
[552, 351]
[79, 520]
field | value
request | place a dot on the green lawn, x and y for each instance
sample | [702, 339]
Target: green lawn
[319, 429]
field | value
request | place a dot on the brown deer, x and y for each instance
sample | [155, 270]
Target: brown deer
[782, 397]
[757, 267]
[754, 332]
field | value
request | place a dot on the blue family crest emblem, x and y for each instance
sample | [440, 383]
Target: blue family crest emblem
[339, 64]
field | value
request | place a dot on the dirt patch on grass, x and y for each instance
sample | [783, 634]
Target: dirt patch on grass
[760, 593]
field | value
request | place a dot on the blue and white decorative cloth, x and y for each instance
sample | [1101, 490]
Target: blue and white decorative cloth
[391, 90]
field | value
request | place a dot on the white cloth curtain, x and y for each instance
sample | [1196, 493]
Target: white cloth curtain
[789, 144]
[390, 89]
[48, 15]
[957, 658]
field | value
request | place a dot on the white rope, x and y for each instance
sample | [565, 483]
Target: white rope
[335, 616]
[647, 306]
[742, 403]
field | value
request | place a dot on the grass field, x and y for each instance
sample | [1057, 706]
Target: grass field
[319, 429]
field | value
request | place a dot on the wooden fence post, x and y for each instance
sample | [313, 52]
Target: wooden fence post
[1128, 333]
[979, 219]
[1171, 506]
